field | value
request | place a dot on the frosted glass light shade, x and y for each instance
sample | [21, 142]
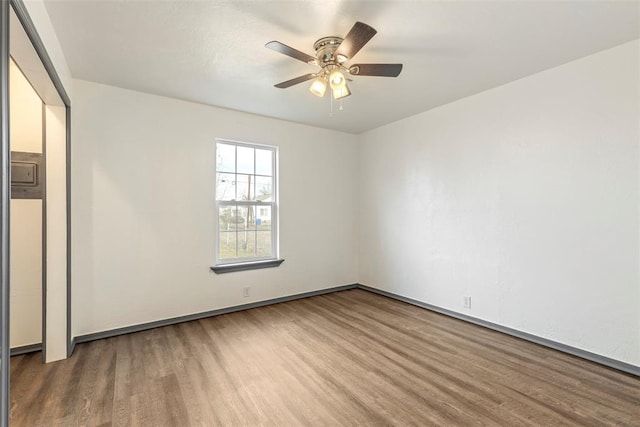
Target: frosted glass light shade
[341, 92]
[318, 87]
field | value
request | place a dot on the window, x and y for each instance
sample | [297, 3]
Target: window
[246, 203]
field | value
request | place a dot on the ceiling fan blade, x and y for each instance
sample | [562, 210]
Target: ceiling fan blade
[358, 36]
[382, 70]
[295, 81]
[289, 51]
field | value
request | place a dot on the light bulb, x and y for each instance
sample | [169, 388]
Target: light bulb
[336, 79]
[318, 87]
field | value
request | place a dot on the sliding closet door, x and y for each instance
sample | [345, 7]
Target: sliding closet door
[19, 37]
[28, 52]
[5, 194]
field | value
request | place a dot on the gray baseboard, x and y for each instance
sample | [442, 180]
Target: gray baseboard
[196, 316]
[584, 354]
[24, 349]
[593, 357]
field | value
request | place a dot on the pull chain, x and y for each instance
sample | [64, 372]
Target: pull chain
[331, 102]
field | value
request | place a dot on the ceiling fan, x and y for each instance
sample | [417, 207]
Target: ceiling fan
[331, 55]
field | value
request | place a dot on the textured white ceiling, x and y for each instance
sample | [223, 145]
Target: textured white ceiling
[213, 52]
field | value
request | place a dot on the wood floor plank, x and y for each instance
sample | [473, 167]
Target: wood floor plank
[347, 358]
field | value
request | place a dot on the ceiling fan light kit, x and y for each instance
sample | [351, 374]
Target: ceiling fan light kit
[331, 54]
[319, 86]
[336, 79]
[341, 92]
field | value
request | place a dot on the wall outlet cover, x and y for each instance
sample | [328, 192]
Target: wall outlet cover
[466, 301]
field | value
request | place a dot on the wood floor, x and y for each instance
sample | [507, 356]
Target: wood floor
[347, 358]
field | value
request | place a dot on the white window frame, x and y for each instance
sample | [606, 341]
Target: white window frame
[254, 203]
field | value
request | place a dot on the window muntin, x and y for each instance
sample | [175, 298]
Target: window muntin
[246, 202]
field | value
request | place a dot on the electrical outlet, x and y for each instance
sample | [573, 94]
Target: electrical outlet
[246, 292]
[466, 301]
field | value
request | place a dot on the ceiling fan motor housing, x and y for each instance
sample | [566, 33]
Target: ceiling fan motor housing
[325, 49]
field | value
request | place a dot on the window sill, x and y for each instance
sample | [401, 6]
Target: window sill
[230, 268]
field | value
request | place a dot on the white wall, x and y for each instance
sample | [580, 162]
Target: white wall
[525, 197]
[26, 219]
[143, 209]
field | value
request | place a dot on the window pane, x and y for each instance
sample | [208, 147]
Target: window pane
[263, 218]
[263, 243]
[264, 162]
[247, 243]
[227, 244]
[225, 186]
[226, 158]
[264, 188]
[225, 218]
[251, 218]
[245, 160]
[231, 218]
[245, 184]
[241, 219]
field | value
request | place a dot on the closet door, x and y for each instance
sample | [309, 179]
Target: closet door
[5, 189]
